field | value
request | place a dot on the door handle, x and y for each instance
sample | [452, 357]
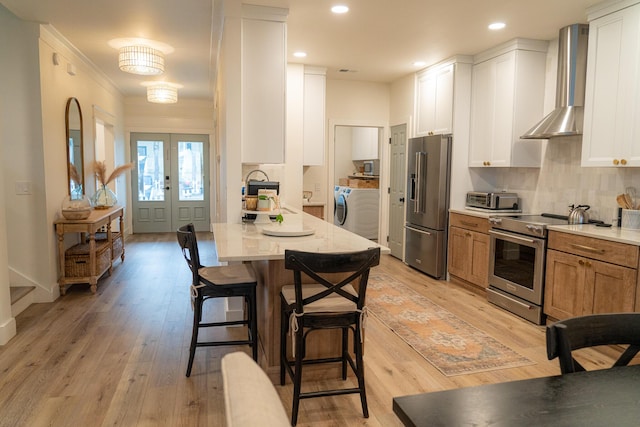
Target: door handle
[401, 199]
[167, 188]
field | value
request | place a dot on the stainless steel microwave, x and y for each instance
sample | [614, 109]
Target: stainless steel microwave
[371, 167]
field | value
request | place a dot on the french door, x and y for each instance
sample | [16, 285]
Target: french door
[170, 185]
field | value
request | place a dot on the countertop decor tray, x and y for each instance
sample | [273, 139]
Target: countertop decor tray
[284, 230]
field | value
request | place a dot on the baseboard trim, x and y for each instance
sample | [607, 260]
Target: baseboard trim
[7, 331]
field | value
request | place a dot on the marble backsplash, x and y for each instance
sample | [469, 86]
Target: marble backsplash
[561, 181]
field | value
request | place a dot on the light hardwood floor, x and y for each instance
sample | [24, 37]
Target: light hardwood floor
[118, 357]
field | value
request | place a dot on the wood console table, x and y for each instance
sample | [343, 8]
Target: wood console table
[107, 249]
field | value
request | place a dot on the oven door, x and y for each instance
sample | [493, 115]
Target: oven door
[516, 264]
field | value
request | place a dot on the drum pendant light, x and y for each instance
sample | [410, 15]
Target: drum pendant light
[143, 60]
[162, 92]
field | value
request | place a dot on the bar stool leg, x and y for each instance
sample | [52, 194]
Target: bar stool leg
[360, 371]
[197, 317]
[253, 302]
[297, 377]
[284, 328]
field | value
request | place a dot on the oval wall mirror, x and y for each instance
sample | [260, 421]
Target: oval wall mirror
[75, 152]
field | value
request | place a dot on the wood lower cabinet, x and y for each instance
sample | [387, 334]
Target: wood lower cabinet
[585, 276]
[315, 210]
[468, 254]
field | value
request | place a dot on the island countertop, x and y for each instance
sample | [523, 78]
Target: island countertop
[245, 241]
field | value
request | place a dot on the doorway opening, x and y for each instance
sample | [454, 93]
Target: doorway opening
[357, 193]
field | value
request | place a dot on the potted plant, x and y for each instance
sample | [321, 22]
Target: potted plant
[266, 203]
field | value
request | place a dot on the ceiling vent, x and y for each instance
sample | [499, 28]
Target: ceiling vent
[567, 118]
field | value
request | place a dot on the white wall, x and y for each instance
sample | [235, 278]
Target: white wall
[32, 136]
[94, 92]
[229, 113]
[20, 130]
[402, 99]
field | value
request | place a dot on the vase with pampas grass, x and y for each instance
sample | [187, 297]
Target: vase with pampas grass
[104, 197]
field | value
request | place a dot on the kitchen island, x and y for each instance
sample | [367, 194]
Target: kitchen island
[245, 242]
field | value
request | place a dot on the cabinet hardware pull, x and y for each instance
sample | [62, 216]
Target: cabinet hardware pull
[467, 234]
[616, 162]
[581, 262]
[588, 248]
[469, 224]
[623, 161]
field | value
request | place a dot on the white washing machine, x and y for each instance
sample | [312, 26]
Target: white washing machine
[357, 210]
[337, 190]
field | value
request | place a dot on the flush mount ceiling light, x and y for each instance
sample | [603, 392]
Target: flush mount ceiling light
[340, 9]
[497, 26]
[162, 92]
[300, 54]
[141, 56]
[419, 64]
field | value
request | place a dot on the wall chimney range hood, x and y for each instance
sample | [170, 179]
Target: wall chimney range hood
[567, 118]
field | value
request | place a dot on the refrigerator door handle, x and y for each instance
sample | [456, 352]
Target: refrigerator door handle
[417, 231]
[420, 177]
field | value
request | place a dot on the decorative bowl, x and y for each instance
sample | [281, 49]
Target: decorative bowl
[76, 206]
[76, 213]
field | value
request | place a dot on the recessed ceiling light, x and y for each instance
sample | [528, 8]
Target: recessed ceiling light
[300, 54]
[340, 9]
[497, 26]
[419, 64]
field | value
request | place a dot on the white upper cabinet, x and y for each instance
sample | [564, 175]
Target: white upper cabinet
[434, 100]
[507, 96]
[612, 97]
[313, 121]
[364, 143]
[263, 102]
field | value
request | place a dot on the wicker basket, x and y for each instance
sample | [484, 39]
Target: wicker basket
[77, 259]
[118, 243]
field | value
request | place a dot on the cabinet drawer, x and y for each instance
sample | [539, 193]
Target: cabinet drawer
[469, 222]
[589, 247]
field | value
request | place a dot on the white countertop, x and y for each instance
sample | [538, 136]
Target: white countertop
[614, 234]
[245, 241]
[485, 213]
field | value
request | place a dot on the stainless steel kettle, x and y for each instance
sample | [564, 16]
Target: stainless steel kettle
[579, 214]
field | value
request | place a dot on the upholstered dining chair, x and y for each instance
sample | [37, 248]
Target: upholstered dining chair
[236, 280]
[250, 398]
[335, 301]
[569, 335]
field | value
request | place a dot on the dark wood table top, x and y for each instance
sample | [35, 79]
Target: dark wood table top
[608, 397]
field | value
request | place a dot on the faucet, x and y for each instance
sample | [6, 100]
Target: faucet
[246, 180]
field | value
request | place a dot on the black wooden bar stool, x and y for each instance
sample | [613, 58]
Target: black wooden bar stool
[237, 280]
[327, 304]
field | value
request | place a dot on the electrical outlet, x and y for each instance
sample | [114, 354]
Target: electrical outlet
[23, 188]
[317, 190]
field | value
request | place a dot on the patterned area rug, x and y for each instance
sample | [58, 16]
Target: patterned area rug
[450, 344]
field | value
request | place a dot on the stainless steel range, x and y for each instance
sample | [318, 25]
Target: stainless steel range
[517, 262]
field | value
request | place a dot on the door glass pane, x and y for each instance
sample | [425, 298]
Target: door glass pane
[150, 170]
[190, 160]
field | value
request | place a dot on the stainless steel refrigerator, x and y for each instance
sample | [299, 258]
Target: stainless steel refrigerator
[429, 170]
